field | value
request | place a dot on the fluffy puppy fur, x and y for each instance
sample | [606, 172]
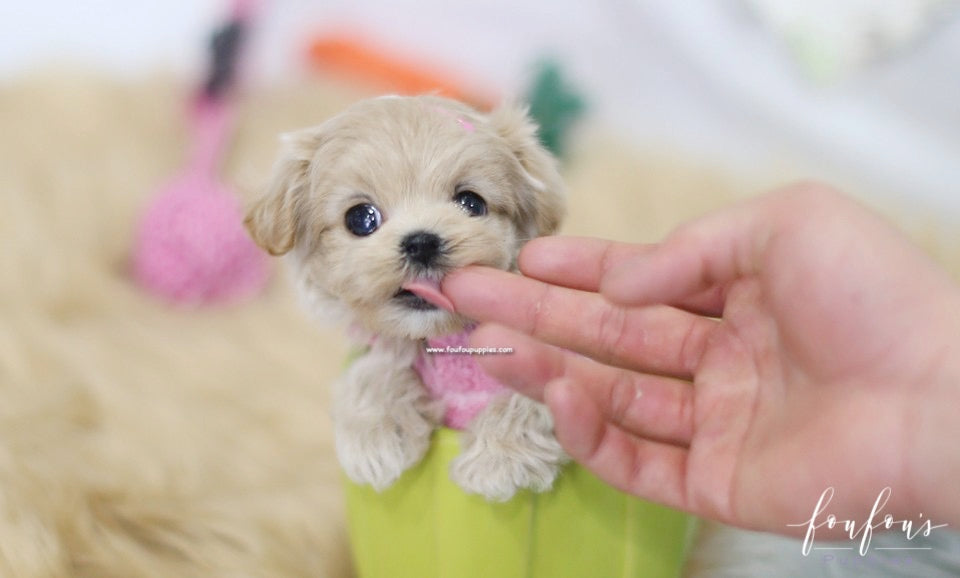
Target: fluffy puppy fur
[476, 187]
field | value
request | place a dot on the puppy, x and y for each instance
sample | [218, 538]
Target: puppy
[373, 208]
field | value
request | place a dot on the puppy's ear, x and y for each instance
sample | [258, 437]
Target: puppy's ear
[273, 220]
[543, 210]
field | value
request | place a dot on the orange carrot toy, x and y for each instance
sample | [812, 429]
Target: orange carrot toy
[356, 59]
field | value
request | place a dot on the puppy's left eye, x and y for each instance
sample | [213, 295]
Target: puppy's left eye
[472, 203]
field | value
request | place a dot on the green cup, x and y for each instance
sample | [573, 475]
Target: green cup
[425, 526]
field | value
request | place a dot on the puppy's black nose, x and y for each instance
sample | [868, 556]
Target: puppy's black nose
[421, 247]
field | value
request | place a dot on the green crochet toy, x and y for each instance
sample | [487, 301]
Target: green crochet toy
[554, 104]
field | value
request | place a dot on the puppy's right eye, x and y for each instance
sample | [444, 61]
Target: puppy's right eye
[362, 219]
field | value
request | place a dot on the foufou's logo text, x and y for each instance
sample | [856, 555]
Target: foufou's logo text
[863, 530]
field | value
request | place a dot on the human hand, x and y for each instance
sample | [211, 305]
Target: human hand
[756, 357]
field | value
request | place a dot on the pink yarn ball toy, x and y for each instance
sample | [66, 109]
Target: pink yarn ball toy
[191, 247]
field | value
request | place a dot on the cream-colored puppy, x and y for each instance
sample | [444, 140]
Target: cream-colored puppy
[373, 207]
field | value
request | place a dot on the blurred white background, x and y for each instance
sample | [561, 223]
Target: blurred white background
[865, 94]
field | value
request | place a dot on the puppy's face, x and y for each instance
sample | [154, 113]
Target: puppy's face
[378, 203]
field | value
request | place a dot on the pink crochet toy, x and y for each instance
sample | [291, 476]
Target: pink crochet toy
[454, 377]
[191, 246]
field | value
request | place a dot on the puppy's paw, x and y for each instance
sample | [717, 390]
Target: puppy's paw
[497, 471]
[383, 418]
[510, 447]
[376, 450]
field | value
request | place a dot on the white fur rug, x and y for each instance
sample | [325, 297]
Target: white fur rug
[137, 439]
[141, 440]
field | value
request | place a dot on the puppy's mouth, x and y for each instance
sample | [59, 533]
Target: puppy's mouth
[422, 294]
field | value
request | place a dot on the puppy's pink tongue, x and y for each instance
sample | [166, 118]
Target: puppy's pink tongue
[429, 291]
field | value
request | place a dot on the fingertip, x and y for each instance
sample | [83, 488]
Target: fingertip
[458, 279]
[516, 360]
[489, 335]
[537, 244]
[467, 284]
[557, 393]
[537, 255]
[577, 421]
[493, 337]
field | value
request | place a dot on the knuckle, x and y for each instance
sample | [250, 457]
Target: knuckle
[611, 331]
[541, 311]
[607, 259]
[692, 347]
[684, 419]
[621, 396]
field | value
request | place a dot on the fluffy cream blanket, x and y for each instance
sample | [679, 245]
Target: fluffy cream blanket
[139, 439]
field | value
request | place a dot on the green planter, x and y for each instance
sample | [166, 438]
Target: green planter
[426, 527]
